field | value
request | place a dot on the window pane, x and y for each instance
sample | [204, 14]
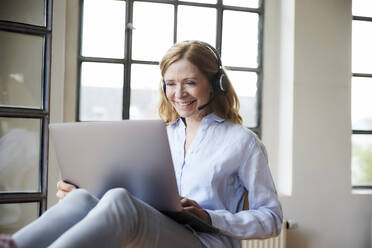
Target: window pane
[239, 45]
[245, 85]
[362, 49]
[23, 11]
[145, 92]
[361, 103]
[19, 154]
[17, 215]
[103, 29]
[201, 1]
[21, 70]
[101, 92]
[197, 23]
[361, 159]
[362, 8]
[153, 33]
[242, 3]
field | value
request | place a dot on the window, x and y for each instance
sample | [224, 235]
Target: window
[25, 38]
[122, 43]
[361, 94]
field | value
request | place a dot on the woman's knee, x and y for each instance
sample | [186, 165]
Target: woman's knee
[81, 198]
[120, 203]
[117, 194]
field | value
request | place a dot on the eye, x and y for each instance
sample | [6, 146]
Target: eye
[169, 84]
[190, 83]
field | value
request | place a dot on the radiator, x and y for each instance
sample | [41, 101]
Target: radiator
[276, 242]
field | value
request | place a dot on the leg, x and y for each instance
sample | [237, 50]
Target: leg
[55, 221]
[121, 220]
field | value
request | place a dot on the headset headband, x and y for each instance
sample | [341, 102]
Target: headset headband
[219, 82]
[215, 52]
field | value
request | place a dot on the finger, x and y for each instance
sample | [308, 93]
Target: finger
[68, 186]
[193, 210]
[187, 202]
[199, 213]
[190, 208]
[60, 194]
[61, 185]
[184, 199]
[194, 203]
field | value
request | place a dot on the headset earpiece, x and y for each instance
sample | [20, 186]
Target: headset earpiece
[223, 83]
[220, 82]
[164, 87]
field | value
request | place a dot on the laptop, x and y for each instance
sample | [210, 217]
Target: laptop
[132, 154]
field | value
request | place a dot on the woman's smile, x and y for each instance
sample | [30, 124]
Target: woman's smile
[186, 103]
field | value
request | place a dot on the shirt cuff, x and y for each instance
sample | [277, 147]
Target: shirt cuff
[217, 220]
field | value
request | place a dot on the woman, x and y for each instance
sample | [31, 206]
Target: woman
[216, 162]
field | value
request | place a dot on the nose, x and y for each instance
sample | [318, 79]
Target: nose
[180, 91]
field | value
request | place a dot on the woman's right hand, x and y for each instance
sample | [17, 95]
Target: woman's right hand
[63, 189]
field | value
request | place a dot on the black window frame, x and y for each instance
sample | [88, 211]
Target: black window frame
[42, 114]
[360, 131]
[128, 61]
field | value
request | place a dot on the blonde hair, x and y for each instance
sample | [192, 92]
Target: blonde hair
[225, 104]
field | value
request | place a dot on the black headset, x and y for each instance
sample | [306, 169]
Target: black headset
[219, 82]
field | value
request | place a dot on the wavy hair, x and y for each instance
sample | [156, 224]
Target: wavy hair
[225, 104]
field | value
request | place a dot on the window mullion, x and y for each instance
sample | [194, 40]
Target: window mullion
[80, 45]
[260, 65]
[362, 75]
[219, 26]
[127, 59]
[175, 23]
[362, 18]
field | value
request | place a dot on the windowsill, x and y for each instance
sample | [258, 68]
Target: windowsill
[361, 191]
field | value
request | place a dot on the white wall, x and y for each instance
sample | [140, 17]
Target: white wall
[317, 51]
[57, 89]
[64, 75]
[306, 115]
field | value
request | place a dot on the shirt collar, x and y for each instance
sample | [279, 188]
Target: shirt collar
[213, 117]
[208, 118]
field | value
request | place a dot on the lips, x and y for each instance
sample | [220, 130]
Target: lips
[186, 103]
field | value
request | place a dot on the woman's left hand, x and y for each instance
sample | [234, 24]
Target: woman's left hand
[193, 207]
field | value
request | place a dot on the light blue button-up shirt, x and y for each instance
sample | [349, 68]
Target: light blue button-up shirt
[223, 162]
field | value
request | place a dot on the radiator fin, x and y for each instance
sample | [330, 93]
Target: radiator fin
[276, 242]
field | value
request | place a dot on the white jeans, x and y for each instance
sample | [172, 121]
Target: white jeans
[117, 220]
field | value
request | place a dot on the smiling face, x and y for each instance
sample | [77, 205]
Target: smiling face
[187, 88]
